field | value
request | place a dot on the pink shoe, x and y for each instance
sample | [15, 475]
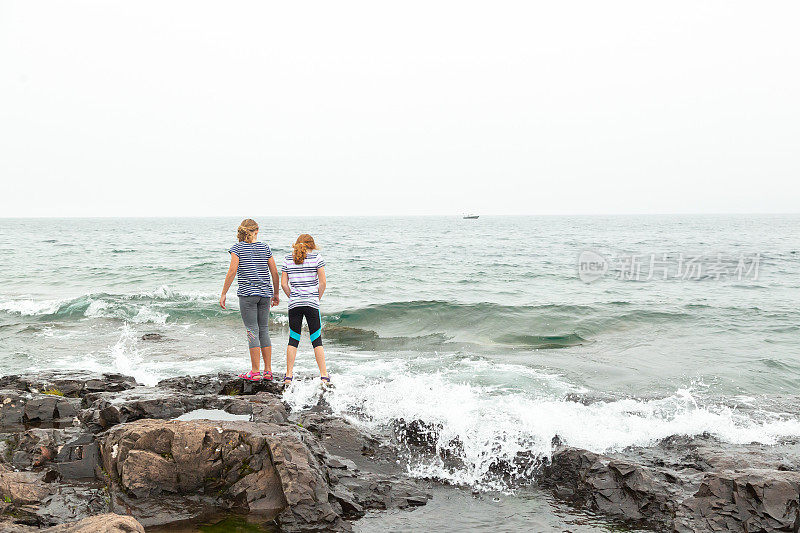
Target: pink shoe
[251, 376]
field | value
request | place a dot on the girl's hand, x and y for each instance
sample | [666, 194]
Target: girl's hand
[222, 301]
[275, 300]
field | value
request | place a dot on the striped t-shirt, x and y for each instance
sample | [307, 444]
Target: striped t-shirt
[253, 273]
[303, 280]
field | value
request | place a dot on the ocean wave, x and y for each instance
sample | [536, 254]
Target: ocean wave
[490, 439]
[390, 326]
[533, 326]
[154, 306]
[30, 307]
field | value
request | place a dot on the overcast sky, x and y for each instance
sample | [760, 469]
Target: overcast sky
[256, 108]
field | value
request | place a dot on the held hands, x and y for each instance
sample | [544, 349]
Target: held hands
[275, 301]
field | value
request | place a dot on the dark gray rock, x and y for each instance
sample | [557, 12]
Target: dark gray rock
[108, 409]
[240, 387]
[165, 509]
[206, 384]
[79, 458]
[222, 384]
[96, 443]
[263, 407]
[37, 447]
[21, 410]
[71, 502]
[12, 409]
[752, 500]
[691, 485]
[76, 384]
[615, 488]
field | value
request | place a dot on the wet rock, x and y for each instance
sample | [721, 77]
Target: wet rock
[222, 384]
[417, 433]
[103, 523]
[12, 409]
[263, 407]
[79, 458]
[37, 447]
[165, 509]
[643, 487]
[206, 384]
[108, 409]
[239, 387]
[49, 409]
[20, 410]
[75, 384]
[342, 439]
[120, 450]
[258, 467]
[70, 502]
[615, 488]
[371, 491]
[295, 455]
[22, 488]
[155, 337]
[752, 500]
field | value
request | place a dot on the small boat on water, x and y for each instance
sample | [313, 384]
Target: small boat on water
[471, 216]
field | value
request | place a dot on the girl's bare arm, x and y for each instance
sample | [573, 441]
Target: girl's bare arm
[322, 281]
[229, 278]
[285, 284]
[273, 272]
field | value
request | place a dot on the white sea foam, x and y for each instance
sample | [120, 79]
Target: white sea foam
[483, 427]
[30, 306]
[128, 360]
[99, 305]
[148, 314]
[96, 309]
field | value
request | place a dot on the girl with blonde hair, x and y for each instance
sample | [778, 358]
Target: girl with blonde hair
[303, 280]
[254, 265]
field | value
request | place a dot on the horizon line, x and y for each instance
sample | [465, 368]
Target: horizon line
[447, 215]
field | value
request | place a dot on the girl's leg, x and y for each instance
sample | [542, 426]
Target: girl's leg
[291, 354]
[263, 333]
[255, 359]
[314, 320]
[295, 327]
[319, 355]
[247, 306]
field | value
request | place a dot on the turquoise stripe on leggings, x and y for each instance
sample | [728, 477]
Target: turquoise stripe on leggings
[293, 335]
[319, 331]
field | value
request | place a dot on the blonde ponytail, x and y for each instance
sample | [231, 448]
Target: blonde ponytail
[247, 230]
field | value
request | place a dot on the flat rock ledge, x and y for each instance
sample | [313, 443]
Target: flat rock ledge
[684, 485]
[100, 453]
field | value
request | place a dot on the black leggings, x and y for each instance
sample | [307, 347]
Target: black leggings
[313, 320]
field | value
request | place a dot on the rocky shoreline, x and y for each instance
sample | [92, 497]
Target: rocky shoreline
[84, 452]
[77, 451]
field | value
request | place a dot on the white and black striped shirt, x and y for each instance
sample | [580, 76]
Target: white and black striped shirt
[253, 273]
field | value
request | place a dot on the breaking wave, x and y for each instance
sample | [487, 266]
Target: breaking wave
[492, 439]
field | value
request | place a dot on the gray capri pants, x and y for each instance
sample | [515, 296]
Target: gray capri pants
[255, 315]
